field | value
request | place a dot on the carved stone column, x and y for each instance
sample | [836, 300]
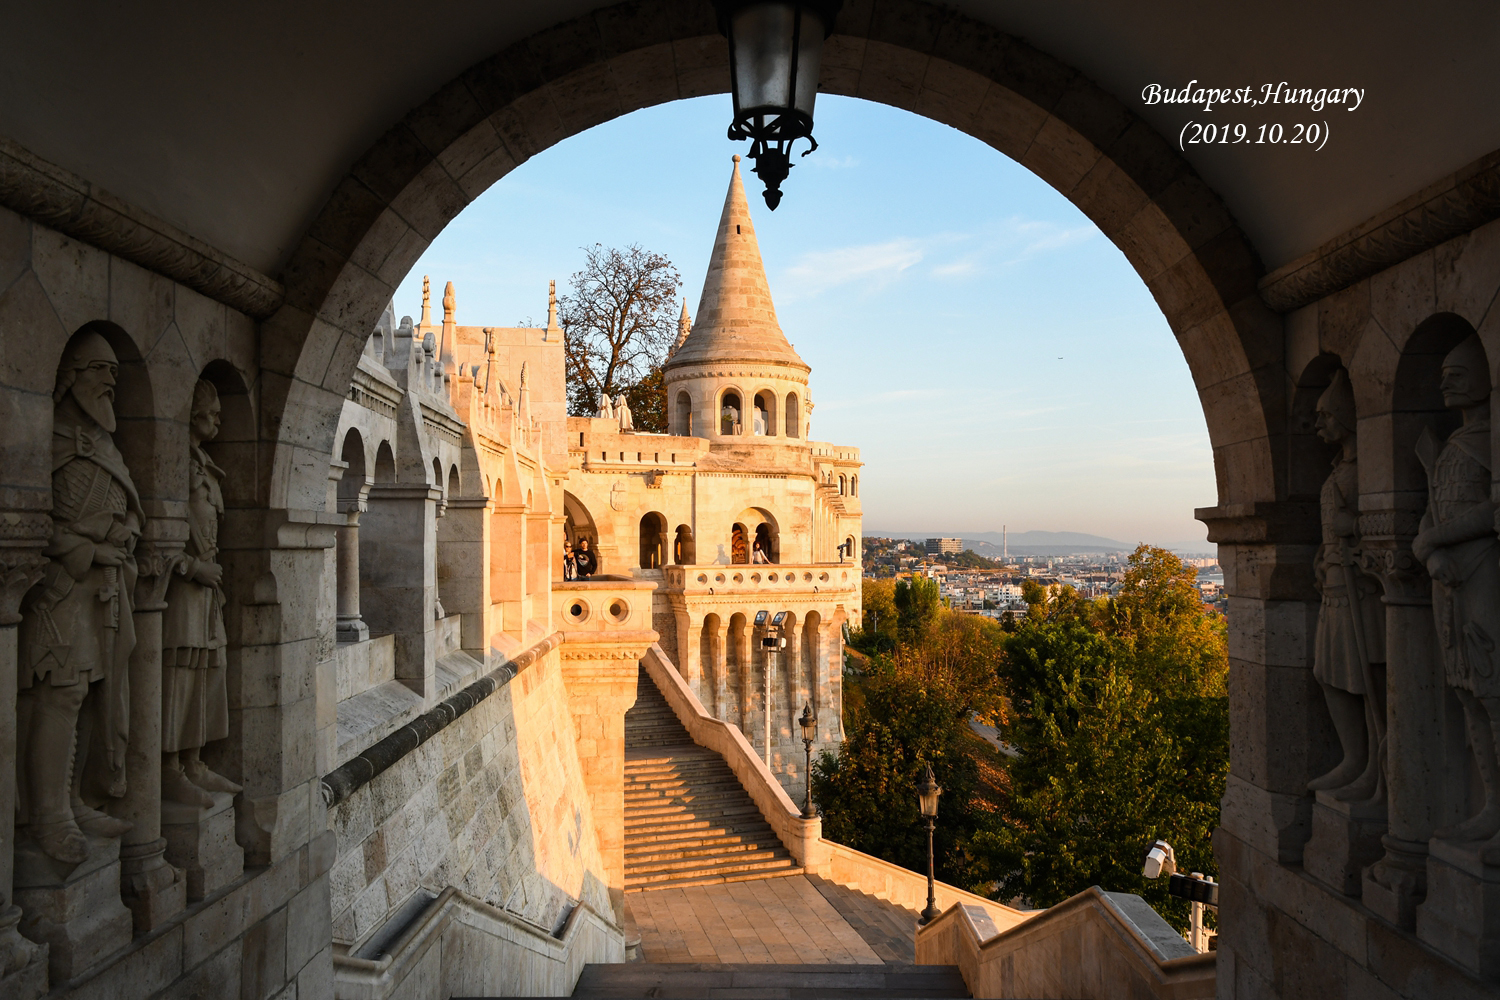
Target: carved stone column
[351, 627]
[23, 963]
[719, 647]
[1415, 774]
[152, 889]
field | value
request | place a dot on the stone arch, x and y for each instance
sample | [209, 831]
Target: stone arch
[653, 540]
[385, 463]
[437, 473]
[909, 54]
[1417, 402]
[684, 413]
[761, 525]
[765, 413]
[454, 483]
[1308, 456]
[578, 523]
[236, 450]
[684, 549]
[793, 418]
[854, 486]
[725, 422]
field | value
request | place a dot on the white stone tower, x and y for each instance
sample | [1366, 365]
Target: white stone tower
[735, 375]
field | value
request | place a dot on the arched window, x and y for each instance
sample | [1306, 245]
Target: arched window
[843, 485]
[739, 545]
[453, 482]
[730, 414]
[385, 464]
[854, 486]
[765, 414]
[765, 545]
[653, 541]
[793, 416]
[684, 414]
[684, 550]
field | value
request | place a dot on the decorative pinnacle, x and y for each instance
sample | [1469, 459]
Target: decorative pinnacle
[426, 300]
[448, 301]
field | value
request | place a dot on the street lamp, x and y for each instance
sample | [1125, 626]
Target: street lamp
[775, 51]
[809, 724]
[927, 792]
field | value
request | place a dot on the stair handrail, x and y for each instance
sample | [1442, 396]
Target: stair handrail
[1133, 951]
[803, 838]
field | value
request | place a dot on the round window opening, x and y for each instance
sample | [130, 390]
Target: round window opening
[577, 611]
[618, 610]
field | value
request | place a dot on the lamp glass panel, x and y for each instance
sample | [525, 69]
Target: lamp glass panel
[763, 55]
[809, 59]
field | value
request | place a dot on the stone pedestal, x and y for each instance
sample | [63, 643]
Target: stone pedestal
[1345, 840]
[76, 912]
[201, 842]
[23, 963]
[1461, 915]
[1395, 884]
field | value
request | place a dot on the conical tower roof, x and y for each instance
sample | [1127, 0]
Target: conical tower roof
[736, 318]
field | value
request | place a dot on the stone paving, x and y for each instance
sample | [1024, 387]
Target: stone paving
[789, 920]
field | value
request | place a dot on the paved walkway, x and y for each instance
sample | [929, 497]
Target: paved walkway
[790, 920]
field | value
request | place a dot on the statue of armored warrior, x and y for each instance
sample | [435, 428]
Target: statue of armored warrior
[1350, 639]
[194, 700]
[1458, 545]
[77, 631]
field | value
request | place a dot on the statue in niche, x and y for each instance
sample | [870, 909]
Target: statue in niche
[1457, 543]
[194, 699]
[1349, 647]
[622, 410]
[77, 629]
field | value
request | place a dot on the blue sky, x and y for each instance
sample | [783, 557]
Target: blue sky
[994, 356]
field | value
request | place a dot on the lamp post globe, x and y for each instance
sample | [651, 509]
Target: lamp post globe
[809, 724]
[928, 791]
[775, 53]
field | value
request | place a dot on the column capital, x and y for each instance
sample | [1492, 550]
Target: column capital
[1385, 553]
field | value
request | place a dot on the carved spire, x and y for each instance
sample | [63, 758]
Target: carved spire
[736, 318]
[684, 327]
[551, 311]
[426, 300]
[448, 302]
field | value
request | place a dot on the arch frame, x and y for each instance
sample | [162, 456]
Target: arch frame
[942, 64]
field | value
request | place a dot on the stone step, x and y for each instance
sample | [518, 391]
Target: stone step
[670, 781]
[698, 830]
[666, 812]
[774, 982]
[747, 861]
[686, 826]
[710, 876]
[727, 849]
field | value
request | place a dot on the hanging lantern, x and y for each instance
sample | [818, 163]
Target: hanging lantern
[775, 51]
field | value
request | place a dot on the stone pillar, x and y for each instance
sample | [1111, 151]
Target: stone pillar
[689, 645]
[351, 627]
[23, 963]
[398, 575]
[152, 889]
[601, 688]
[719, 643]
[463, 555]
[1415, 772]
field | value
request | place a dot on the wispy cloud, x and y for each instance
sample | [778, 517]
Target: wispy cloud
[818, 270]
[832, 162]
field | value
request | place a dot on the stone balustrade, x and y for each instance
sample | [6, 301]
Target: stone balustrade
[762, 578]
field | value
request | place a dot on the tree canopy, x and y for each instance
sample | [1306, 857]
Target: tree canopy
[619, 320]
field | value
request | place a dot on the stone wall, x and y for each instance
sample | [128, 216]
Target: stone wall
[466, 808]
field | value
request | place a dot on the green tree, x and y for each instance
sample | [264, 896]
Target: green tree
[917, 605]
[877, 628]
[1119, 713]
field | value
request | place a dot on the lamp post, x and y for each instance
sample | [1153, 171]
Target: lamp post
[927, 792]
[775, 51]
[809, 724]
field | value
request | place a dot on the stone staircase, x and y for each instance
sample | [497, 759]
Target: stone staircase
[771, 982]
[688, 821]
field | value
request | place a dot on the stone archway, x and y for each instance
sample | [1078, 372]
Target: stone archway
[944, 65]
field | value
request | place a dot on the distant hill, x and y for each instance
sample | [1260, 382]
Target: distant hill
[1021, 543]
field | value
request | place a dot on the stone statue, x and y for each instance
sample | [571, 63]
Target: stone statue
[622, 410]
[77, 631]
[194, 701]
[1350, 639]
[606, 412]
[1457, 543]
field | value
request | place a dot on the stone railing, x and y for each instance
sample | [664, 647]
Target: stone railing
[802, 837]
[761, 578]
[602, 604]
[904, 887]
[1131, 951]
[463, 946]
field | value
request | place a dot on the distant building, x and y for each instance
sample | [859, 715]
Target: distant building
[945, 546]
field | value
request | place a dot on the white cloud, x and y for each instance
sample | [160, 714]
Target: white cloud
[820, 270]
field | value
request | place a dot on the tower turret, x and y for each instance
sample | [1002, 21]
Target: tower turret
[734, 373]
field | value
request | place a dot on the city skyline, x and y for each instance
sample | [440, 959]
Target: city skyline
[1009, 367]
